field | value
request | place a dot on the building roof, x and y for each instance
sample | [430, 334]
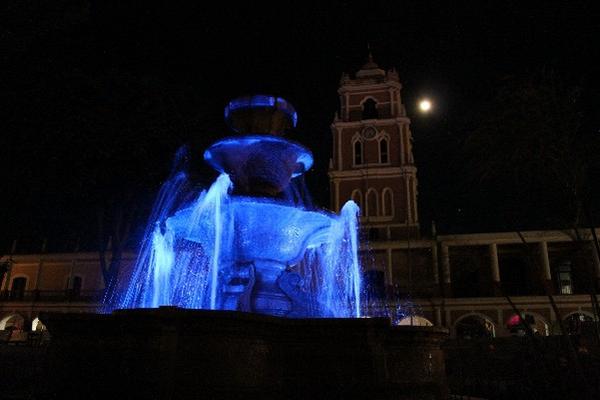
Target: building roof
[370, 69]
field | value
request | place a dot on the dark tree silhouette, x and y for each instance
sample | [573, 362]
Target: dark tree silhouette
[528, 152]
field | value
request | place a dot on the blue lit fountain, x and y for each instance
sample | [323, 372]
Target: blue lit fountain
[247, 243]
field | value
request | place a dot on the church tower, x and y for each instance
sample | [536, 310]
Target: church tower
[372, 161]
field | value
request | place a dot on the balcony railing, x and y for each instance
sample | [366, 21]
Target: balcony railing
[59, 296]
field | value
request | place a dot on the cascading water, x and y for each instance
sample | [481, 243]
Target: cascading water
[249, 242]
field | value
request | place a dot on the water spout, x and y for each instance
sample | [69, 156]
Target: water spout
[253, 241]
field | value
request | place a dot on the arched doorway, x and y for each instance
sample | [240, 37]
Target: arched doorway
[579, 322]
[37, 325]
[369, 109]
[12, 322]
[474, 326]
[538, 325]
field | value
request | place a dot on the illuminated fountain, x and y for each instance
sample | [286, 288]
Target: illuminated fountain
[248, 243]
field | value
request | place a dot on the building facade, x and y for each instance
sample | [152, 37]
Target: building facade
[476, 285]
[47, 282]
[464, 282]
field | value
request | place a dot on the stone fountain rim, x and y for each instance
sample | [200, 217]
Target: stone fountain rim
[235, 143]
[174, 311]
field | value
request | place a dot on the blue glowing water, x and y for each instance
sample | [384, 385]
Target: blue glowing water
[230, 153]
[229, 252]
[253, 241]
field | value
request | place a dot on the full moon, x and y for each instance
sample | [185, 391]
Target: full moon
[425, 105]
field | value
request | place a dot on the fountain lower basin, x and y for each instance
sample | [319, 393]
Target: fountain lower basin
[173, 353]
[264, 230]
[258, 250]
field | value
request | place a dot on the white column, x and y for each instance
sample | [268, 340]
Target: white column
[545, 261]
[445, 263]
[596, 262]
[38, 277]
[493, 250]
[5, 285]
[552, 315]
[434, 263]
[339, 148]
[389, 267]
[402, 145]
[336, 185]
[347, 101]
[438, 315]
[70, 283]
[414, 199]
[408, 202]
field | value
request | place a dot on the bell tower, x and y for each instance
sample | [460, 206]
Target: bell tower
[372, 161]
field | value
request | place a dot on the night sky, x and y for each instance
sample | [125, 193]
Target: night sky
[97, 96]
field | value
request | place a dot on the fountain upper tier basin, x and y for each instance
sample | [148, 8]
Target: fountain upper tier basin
[260, 114]
[259, 164]
[264, 229]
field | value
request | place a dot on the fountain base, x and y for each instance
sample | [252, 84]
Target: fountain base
[172, 353]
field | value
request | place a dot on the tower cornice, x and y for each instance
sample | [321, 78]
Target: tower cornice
[383, 172]
[373, 122]
[357, 86]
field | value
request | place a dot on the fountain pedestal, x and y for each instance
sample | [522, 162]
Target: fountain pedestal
[267, 296]
[172, 353]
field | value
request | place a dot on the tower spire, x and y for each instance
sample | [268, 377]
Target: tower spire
[370, 68]
[370, 64]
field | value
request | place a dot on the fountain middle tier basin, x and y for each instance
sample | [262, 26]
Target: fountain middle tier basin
[259, 164]
[264, 230]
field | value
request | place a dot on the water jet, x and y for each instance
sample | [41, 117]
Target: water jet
[241, 245]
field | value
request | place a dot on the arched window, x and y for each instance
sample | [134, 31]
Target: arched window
[578, 323]
[388, 202]
[515, 324]
[475, 327]
[358, 199]
[370, 109]
[383, 151]
[372, 205]
[37, 325]
[17, 289]
[358, 152]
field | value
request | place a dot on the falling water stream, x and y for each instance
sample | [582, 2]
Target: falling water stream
[252, 241]
[189, 254]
